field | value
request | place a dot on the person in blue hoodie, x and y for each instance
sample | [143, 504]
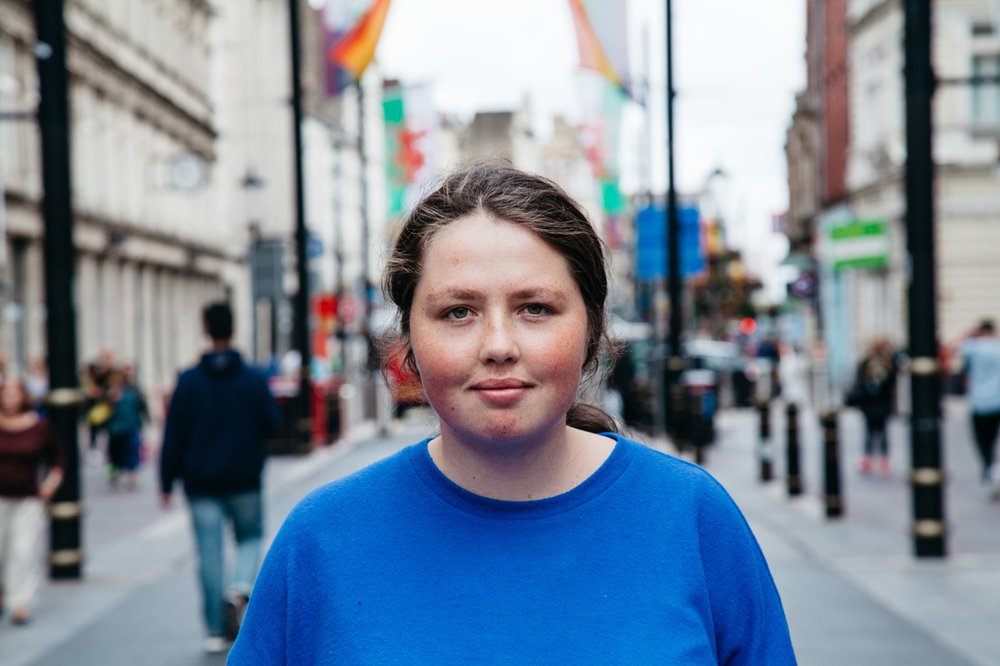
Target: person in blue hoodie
[213, 442]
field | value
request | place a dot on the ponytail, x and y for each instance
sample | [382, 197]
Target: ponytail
[584, 416]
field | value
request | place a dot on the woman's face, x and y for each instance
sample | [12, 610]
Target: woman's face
[499, 332]
[11, 397]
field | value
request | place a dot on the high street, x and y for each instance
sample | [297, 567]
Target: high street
[852, 591]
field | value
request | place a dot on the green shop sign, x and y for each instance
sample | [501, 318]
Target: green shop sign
[860, 244]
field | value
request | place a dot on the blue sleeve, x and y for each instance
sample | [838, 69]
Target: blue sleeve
[270, 414]
[262, 637]
[175, 437]
[750, 625]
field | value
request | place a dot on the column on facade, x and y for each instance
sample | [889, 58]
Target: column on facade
[33, 312]
[87, 300]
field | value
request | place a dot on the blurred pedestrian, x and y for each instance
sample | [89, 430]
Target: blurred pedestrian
[98, 405]
[520, 533]
[874, 393]
[980, 353]
[213, 442]
[31, 470]
[36, 382]
[128, 411]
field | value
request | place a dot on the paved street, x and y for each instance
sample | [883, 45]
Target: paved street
[853, 593]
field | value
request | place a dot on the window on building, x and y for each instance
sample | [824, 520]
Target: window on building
[986, 94]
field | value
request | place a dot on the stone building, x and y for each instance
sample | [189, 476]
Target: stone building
[863, 277]
[150, 245]
[966, 119]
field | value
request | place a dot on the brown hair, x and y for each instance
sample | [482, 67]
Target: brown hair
[536, 203]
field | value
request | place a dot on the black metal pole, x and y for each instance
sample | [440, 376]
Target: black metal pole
[793, 473]
[927, 477]
[765, 447]
[301, 304]
[832, 489]
[66, 509]
[675, 364]
[365, 230]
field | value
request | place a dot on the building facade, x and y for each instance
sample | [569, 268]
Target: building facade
[966, 117]
[143, 152]
[846, 170]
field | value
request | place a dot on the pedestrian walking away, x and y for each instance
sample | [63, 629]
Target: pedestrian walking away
[213, 441]
[124, 426]
[29, 451]
[874, 393]
[527, 529]
[980, 354]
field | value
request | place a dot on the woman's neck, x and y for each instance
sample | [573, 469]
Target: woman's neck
[521, 471]
[18, 420]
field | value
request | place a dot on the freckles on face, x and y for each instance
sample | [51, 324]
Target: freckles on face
[498, 329]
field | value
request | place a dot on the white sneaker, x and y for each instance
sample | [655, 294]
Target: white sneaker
[993, 483]
[215, 645]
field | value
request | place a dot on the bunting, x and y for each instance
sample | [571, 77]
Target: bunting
[355, 51]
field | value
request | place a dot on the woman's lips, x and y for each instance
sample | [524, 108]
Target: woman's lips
[501, 391]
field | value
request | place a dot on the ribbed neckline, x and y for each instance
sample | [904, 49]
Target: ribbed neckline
[594, 485]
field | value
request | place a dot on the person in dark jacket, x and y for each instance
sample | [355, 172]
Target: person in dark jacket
[874, 394]
[213, 442]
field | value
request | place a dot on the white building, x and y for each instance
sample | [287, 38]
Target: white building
[182, 155]
[143, 150]
[966, 151]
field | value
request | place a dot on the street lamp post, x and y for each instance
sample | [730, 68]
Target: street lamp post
[675, 364]
[62, 402]
[927, 477]
[301, 302]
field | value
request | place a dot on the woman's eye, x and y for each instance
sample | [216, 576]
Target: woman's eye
[536, 309]
[457, 313]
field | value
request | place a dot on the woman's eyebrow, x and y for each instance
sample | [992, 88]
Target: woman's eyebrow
[449, 295]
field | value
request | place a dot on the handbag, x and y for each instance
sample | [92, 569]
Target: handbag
[99, 413]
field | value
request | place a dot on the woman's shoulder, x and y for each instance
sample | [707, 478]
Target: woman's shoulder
[362, 491]
[665, 470]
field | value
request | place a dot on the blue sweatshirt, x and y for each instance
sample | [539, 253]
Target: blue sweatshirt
[648, 561]
[217, 418]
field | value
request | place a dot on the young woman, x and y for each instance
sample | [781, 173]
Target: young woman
[527, 531]
[28, 452]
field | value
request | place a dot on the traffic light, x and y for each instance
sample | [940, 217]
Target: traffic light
[748, 325]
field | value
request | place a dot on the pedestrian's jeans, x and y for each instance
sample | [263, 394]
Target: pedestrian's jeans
[22, 533]
[209, 513]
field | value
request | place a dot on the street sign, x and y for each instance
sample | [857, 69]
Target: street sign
[859, 244]
[651, 240]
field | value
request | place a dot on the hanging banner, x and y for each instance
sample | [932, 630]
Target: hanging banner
[651, 242]
[411, 128]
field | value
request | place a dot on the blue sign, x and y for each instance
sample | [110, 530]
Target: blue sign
[651, 242]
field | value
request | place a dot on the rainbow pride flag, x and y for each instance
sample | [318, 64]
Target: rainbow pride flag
[592, 54]
[357, 48]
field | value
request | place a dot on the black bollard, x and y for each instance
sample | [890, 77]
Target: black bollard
[680, 421]
[699, 426]
[765, 448]
[831, 466]
[793, 475]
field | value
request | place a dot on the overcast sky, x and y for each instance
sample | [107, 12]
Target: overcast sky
[738, 65]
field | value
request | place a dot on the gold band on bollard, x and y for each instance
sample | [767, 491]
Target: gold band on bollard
[676, 363]
[64, 397]
[927, 476]
[66, 558]
[923, 365]
[929, 529]
[65, 510]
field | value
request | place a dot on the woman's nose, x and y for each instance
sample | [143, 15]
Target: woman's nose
[499, 341]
